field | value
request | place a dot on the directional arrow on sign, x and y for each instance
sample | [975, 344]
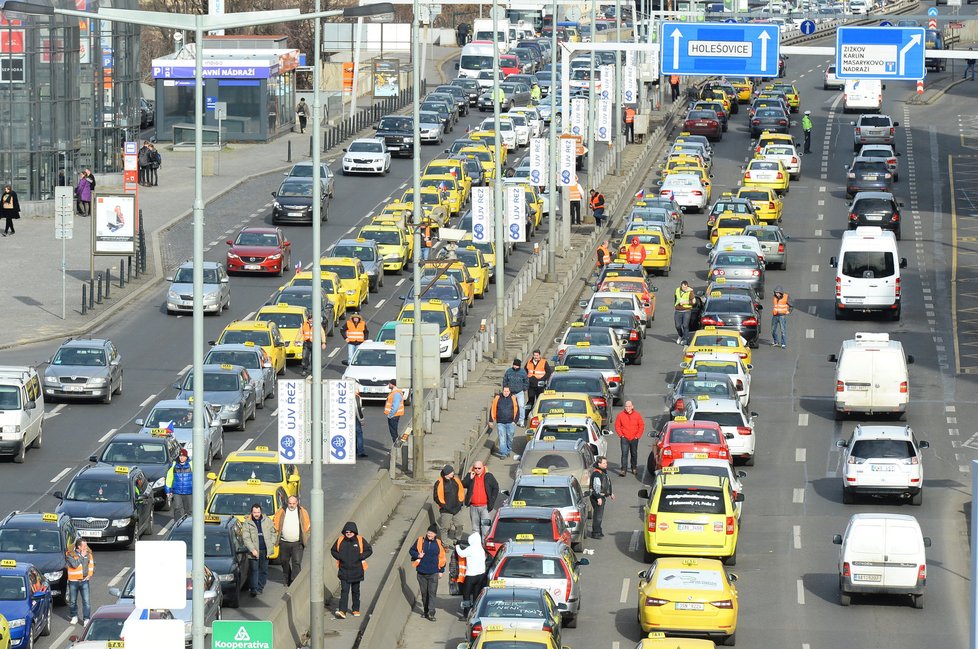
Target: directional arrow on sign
[914, 40]
[676, 37]
[764, 38]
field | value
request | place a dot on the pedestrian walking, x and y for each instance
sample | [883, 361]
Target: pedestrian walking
[83, 195]
[683, 304]
[449, 494]
[152, 171]
[355, 331]
[305, 337]
[519, 382]
[428, 558]
[603, 254]
[142, 162]
[635, 252]
[481, 492]
[351, 552]
[394, 408]
[293, 527]
[358, 400]
[9, 209]
[80, 566]
[969, 67]
[300, 113]
[538, 371]
[629, 124]
[779, 317]
[576, 194]
[260, 539]
[472, 569]
[179, 485]
[601, 491]
[596, 204]
[674, 86]
[502, 415]
[629, 426]
[806, 126]
[462, 34]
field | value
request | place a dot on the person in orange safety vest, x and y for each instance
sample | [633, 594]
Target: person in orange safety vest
[635, 253]
[355, 333]
[305, 337]
[780, 309]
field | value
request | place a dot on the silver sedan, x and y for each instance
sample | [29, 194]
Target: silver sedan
[774, 244]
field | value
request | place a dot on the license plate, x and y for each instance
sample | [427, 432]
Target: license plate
[689, 606]
[697, 456]
[73, 388]
[252, 267]
[867, 578]
[89, 533]
[857, 388]
[882, 467]
[689, 527]
[295, 213]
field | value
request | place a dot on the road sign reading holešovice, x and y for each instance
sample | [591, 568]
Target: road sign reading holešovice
[879, 53]
[239, 634]
[720, 48]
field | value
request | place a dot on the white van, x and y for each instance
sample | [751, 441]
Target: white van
[475, 58]
[871, 376]
[21, 411]
[882, 553]
[867, 275]
[482, 32]
[862, 95]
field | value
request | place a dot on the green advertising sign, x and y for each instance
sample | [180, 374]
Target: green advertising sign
[240, 634]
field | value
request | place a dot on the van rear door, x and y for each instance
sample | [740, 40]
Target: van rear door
[854, 380]
[890, 386]
[863, 552]
[903, 554]
[867, 278]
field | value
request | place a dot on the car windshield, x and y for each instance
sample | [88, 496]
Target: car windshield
[217, 542]
[344, 271]
[239, 504]
[722, 418]
[590, 361]
[104, 628]
[374, 358]
[305, 171]
[80, 357]
[887, 449]
[242, 336]
[728, 305]
[384, 237]
[185, 275]
[613, 303]
[216, 382]
[683, 500]
[690, 387]
[755, 195]
[867, 264]
[543, 496]
[531, 567]
[396, 123]
[366, 147]
[95, 490]
[12, 588]
[429, 118]
[595, 337]
[721, 367]
[283, 320]
[701, 114]
[504, 604]
[180, 417]
[30, 540]
[265, 471]
[869, 168]
[472, 62]
[295, 296]
[9, 397]
[256, 239]
[295, 188]
[229, 357]
[874, 120]
[438, 292]
[128, 453]
[734, 259]
[363, 253]
[611, 320]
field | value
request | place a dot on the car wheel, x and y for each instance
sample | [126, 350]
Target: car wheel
[848, 497]
[30, 637]
[731, 560]
[108, 395]
[570, 621]
[918, 601]
[730, 640]
[118, 390]
[895, 314]
[749, 461]
[648, 557]
[845, 599]
[149, 524]
[220, 446]
[39, 440]
[46, 630]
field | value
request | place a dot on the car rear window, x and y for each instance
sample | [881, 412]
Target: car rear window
[721, 418]
[684, 435]
[867, 264]
[530, 567]
[543, 496]
[689, 579]
[875, 120]
[733, 222]
[728, 305]
[698, 386]
[701, 114]
[589, 385]
[691, 500]
[882, 448]
[873, 206]
[589, 361]
[869, 167]
[763, 235]
[734, 259]
[508, 528]
[506, 605]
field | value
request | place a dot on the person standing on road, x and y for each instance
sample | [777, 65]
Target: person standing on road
[305, 337]
[576, 194]
[356, 333]
[80, 565]
[142, 161]
[9, 208]
[601, 491]
[629, 426]
[428, 558]
[674, 86]
[427, 241]
[474, 556]
[780, 309]
[518, 382]
[538, 370]
[535, 94]
[806, 126]
[597, 207]
[502, 415]
[604, 254]
[351, 552]
[300, 112]
[179, 485]
[481, 491]
[260, 539]
[394, 408]
[293, 528]
[449, 494]
[969, 66]
[152, 172]
[684, 309]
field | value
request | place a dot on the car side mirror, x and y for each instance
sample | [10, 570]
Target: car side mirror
[739, 498]
[903, 262]
[225, 280]
[927, 542]
[344, 150]
[834, 262]
[898, 154]
[176, 386]
[212, 476]
[753, 415]
[833, 358]
[837, 539]
[230, 243]
[910, 359]
[741, 474]
[842, 443]
[168, 279]
[93, 458]
[115, 591]
[505, 493]
[345, 362]
[643, 494]
[60, 495]
[709, 246]
[73, 638]
[605, 431]
[852, 123]
[274, 194]
[582, 304]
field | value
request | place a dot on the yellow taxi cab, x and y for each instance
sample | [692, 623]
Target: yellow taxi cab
[697, 170]
[454, 197]
[767, 137]
[790, 92]
[484, 155]
[730, 204]
[263, 464]
[659, 640]
[330, 282]
[552, 402]
[488, 250]
[434, 204]
[730, 223]
[718, 94]
[767, 172]
[487, 138]
[454, 268]
[264, 334]
[236, 498]
[288, 318]
[477, 266]
[452, 167]
[689, 597]
[5, 633]
[497, 636]
[744, 87]
[712, 339]
[685, 163]
[658, 252]
[614, 282]
[439, 313]
[393, 244]
[354, 280]
[767, 204]
[395, 211]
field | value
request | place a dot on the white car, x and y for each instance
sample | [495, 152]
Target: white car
[574, 427]
[374, 365]
[533, 119]
[725, 363]
[882, 461]
[713, 466]
[787, 155]
[596, 336]
[686, 145]
[366, 155]
[520, 126]
[858, 7]
[615, 301]
[686, 189]
[736, 424]
[732, 242]
[506, 131]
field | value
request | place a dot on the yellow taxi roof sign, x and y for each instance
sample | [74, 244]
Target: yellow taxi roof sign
[670, 469]
[8, 563]
[254, 481]
[539, 471]
[518, 503]
[561, 368]
[550, 438]
[122, 469]
[497, 583]
[49, 517]
[212, 518]
[261, 448]
[720, 280]
[702, 397]
[715, 293]
[690, 562]
[494, 627]
[603, 308]
[689, 370]
[524, 537]
[115, 644]
[680, 418]
[550, 392]
[249, 343]
[582, 343]
[656, 635]
[227, 366]
[160, 432]
[577, 324]
[709, 328]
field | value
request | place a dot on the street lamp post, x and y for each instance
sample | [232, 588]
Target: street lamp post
[497, 195]
[417, 211]
[552, 176]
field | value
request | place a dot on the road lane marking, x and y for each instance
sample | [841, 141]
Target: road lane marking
[633, 541]
[818, 233]
[244, 445]
[186, 369]
[115, 580]
[801, 454]
[105, 437]
[54, 412]
[148, 400]
[401, 281]
[249, 316]
[801, 592]
[380, 303]
[796, 536]
[624, 590]
[166, 528]
[63, 638]
[803, 419]
[61, 474]
[814, 270]
[207, 485]
[813, 288]
[333, 353]
[798, 496]
[811, 309]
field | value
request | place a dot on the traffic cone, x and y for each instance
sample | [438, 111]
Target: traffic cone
[920, 87]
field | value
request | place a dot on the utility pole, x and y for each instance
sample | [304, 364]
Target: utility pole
[497, 196]
[552, 176]
[618, 134]
[417, 212]
[590, 105]
[565, 224]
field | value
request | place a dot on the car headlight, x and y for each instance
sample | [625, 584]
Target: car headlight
[231, 407]
[392, 257]
[97, 380]
[445, 337]
[13, 624]
[212, 297]
[351, 291]
[54, 576]
[228, 577]
[231, 255]
[159, 484]
[173, 295]
[187, 628]
[275, 257]
[276, 205]
[121, 522]
[51, 380]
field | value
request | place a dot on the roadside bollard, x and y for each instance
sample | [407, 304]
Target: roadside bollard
[289, 157]
[91, 293]
[108, 282]
[122, 273]
[98, 295]
[84, 305]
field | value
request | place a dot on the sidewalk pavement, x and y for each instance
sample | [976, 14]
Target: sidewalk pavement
[32, 296]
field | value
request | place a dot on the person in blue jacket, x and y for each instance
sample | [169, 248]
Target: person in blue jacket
[428, 557]
[179, 485]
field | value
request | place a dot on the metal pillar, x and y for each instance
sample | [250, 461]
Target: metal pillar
[973, 618]
[552, 176]
[618, 136]
[417, 409]
[590, 106]
[497, 195]
[565, 224]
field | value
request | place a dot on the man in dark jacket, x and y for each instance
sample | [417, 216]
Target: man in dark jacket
[518, 382]
[350, 551]
[601, 491]
[449, 494]
[481, 491]
[428, 557]
[179, 486]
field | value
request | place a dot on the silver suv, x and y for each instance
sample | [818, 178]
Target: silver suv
[87, 368]
[873, 129]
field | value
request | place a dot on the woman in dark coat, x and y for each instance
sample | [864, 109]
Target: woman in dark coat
[9, 208]
[351, 552]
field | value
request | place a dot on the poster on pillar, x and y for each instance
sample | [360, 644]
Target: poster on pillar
[607, 76]
[339, 422]
[515, 214]
[629, 84]
[602, 121]
[293, 421]
[629, 57]
[567, 163]
[482, 214]
[579, 116]
[539, 161]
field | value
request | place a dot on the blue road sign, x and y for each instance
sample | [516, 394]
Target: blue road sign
[886, 23]
[807, 27]
[932, 12]
[720, 48]
[210, 103]
[879, 53]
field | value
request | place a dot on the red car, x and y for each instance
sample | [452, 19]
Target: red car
[687, 439]
[259, 250]
[704, 122]
[512, 523]
[509, 64]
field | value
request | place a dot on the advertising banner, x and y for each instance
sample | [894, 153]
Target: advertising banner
[482, 214]
[602, 121]
[567, 163]
[339, 429]
[539, 161]
[515, 214]
[292, 421]
[114, 228]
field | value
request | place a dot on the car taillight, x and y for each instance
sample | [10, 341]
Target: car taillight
[858, 131]
[662, 250]
[891, 161]
[892, 130]
[746, 175]
[568, 581]
[722, 454]
[897, 287]
[730, 525]
[655, 601]
[904, 388]
[667, 452]
[547, 628]
[750, 322]
[573, 517]
[921, 572]
[853, 216]
[709, 321]
[782, 122]
[879, 98]
[887, 175]
[650, 523]
[723, 603]
[740, 384]
[850, 175]
[755, 273]
[840, 386]
[794, 160]
[696, 192]
[744, 430]
[896, 215]
[534, 422]
[560, 353]
[780, 247]
[476, 630]
[666, 193]
[679, 405]
[780, 176]
[491, 545]
[741, 354]
[599, 402]
[633, 335]
[719, 271]
[756, 122]
[845, 569]
[838, 287]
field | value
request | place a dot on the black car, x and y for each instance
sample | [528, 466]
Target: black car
[774, 120]
[521, 607]
[590, 382]
[875, 208]
[224, 552]
[471, 88]
[397, 132]
[293, 202]
[147, 113]
[40, 539]
[473, 169]
[153, 454]
[460, 95]
[602, 358]
[868, 175]
[528, 61]
[692, 384]
[732, 287]
[738, 312]
[108, 504]
[628, 327]
[302, 296]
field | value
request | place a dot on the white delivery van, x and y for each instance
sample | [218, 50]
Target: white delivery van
[21, 411]
[882, 553]
[862, 95]
[871, 376]
[867, 272]
[475, 58]
[482, 32]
